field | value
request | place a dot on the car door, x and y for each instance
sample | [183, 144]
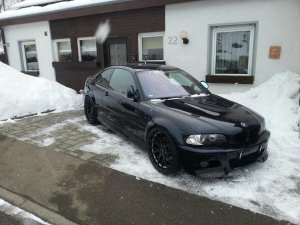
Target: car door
[101, 86]
[124, 113]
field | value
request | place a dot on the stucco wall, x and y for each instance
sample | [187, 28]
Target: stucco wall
[278, 24]
[27, 32]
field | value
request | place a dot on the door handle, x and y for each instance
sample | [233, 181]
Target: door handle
[106, 93]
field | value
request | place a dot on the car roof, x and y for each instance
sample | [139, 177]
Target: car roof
[146, 66]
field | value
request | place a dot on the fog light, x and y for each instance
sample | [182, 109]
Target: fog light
[204, 164]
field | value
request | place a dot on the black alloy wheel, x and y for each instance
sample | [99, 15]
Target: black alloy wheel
[89, 111]
[162, 151]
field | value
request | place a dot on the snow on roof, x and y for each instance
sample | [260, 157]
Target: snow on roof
[28, 3]
[55, 7]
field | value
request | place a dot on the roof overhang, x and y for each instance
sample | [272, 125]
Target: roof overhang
[109, 7]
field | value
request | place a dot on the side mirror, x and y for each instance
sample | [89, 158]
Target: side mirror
[132, 93]
[204, 84]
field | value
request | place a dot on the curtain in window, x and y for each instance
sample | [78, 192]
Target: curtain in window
[232, 52]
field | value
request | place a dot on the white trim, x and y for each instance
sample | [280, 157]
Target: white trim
[78, 45]
[23, 43]
[55, 48]
[147, 35]
[232, 29]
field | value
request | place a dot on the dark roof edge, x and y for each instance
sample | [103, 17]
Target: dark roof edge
[108, 7]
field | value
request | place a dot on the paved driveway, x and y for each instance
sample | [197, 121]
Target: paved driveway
[59, 132]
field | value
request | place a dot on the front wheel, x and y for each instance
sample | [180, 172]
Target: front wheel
[162, 151]
[89, 111]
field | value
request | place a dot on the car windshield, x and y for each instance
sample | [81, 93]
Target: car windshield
[168, 84]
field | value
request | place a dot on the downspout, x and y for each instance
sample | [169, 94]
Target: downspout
[4, 45]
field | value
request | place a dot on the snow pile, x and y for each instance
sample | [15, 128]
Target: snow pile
[277, 100]
[27, 218]
[22, 95]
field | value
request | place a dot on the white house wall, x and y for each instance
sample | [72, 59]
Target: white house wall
[27, 32]
[278, 24]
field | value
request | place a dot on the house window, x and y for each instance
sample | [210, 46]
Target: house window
[29, 56]
[151, 46]
[232, 50]
[63, 50]
[87, 49]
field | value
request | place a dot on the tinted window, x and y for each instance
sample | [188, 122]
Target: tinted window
[121, 80]
[104, 78]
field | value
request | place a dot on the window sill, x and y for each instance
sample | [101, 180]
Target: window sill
[74, 65]
[230, 79]
[162, 62]
[32, 73]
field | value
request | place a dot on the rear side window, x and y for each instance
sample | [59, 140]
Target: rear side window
[121, 80]
[104, 78]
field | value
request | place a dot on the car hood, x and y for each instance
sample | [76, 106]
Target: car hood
[209, 114]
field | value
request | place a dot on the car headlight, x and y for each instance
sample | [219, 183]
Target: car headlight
[206, 139]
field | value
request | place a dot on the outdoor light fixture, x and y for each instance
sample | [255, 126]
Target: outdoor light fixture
[184, 37]
[5, 44]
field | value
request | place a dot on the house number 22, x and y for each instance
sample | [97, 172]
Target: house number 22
[173, 40]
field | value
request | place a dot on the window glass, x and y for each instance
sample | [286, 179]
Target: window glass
[88, 50]
[178, 78]
[104, 78]
[168, 84]
[30, 56]
[64, 51]
[232, 52]
[152, 48]
[121, 80]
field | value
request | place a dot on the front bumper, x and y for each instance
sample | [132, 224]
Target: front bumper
[212, 160]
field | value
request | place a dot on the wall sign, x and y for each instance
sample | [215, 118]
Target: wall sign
[274, 52]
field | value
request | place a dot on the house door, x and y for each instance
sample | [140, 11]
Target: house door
[117, 51]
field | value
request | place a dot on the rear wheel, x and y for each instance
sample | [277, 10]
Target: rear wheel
[162, 151]
[89, 111]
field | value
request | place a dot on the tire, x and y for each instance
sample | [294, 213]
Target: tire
[89, 111]
[162, 151]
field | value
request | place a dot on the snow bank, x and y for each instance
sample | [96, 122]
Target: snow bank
[25, 217]
[277, 100]
[21, 94]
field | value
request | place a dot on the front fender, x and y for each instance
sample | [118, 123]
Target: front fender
[175, 129]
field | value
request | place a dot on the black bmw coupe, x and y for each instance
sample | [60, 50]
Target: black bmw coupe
[176, 117]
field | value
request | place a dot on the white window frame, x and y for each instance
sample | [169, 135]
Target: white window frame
[78, 44]
[217, 30]
[55, 42]
[148, 35]
[23, 43]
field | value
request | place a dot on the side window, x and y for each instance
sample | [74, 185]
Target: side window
[121, 80]
[104, 78]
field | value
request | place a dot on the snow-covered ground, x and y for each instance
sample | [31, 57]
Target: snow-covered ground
[16, 212]
[271, 188]
[21, 94]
